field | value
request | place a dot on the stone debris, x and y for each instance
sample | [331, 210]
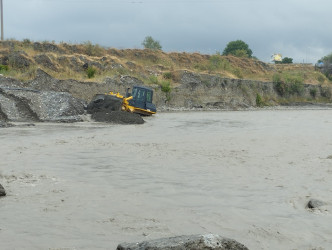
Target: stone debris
[190, 242]
[28, 105]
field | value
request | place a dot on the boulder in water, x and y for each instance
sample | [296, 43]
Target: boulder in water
[2, 191]
[313, 203]
[191, 242]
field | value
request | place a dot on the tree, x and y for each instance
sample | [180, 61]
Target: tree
[150, 43]
[287, 60]
[238, 48]
[326, 67]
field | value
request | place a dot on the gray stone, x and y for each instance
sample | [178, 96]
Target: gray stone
[313, 203]
[191, 242]
[2, 191]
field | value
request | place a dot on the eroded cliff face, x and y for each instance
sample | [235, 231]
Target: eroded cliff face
[214, 92]
[48, 99]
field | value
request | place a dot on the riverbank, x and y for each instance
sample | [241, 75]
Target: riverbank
[49, 99]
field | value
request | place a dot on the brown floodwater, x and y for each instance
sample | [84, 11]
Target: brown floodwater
[245, 175]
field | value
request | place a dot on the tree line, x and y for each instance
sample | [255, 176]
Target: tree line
[236, 48]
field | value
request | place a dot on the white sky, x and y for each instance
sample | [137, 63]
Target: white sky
[300, 29]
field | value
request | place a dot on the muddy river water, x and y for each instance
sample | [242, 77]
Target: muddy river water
[245, 175]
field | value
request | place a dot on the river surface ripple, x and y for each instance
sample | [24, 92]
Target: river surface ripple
[245, 175]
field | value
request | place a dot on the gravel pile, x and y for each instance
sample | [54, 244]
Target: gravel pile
[118, 117]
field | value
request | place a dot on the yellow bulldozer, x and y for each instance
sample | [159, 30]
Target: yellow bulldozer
[139, 101]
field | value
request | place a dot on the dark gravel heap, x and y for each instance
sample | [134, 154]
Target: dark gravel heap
[105, 103]
[118, 117]
[2, 191]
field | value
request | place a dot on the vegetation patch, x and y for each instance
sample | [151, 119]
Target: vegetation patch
[313, 92]
[287, 84]
[91, 71]
[168, 75]
[93, 49]
[165, 86]
[153, 80]
[217, 62]
[259, 101]
[3, 68]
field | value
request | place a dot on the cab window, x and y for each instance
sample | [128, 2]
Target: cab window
[141, 95]
[148, 96]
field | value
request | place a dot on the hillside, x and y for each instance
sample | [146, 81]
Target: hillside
[50, 82]
[76, 61]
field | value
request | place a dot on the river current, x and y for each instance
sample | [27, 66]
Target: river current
[245, 175]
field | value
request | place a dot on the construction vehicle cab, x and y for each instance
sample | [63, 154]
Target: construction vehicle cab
[142, 100]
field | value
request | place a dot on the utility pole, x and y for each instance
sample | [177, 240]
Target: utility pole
[1, 21]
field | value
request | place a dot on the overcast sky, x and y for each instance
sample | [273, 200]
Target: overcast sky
[300, 29]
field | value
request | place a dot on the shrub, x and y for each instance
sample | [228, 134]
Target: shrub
[321, 78]
[313, 92]
[217, 62]
[92, 50]
[199, 66]
[326, 92]
[259, 101]
[3, 68]
[276, 78]
[153, 79]
[288, 84]
[168, 75]
[295, 84]
[26, 42]
[165, 86]
[296, 88]
[238, 73]
[91, 71]
[280, 85]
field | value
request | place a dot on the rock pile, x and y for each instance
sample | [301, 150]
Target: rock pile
[191, 242]
[29, 105]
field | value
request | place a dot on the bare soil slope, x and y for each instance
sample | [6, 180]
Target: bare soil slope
[81, 61]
